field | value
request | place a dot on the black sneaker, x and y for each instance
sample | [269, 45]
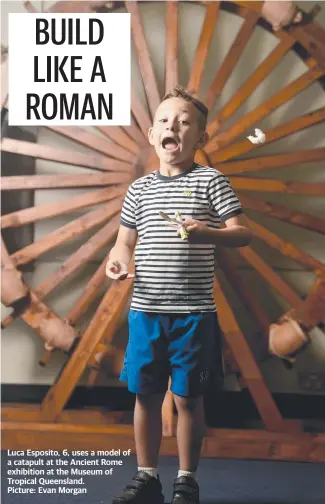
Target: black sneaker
[143, 489]
[186, 491]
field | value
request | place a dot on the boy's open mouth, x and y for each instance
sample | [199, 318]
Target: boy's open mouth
[169, 144]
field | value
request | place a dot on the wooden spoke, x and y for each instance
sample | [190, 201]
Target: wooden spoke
[202, 50]
[140, 114]
[248, 299]
[30, 8]
[271, 277]
[230, 61]
[171, 66]
[284, 214]
[148, 75]
[134, 132]
[246, 362]
[79, 258]
[68, 232]
[258, 76]
[286, 249]
[276, 133]
[63, 181]
[77, 7]
[118, 135]
[74, 262]
[89, 294]
[309, 34]
[266, 108]
[273, 161]
[95, 161]
[92, 141]
[103, 324]
[312, 38]
[35, 214]
[280, 186]
[242, 289]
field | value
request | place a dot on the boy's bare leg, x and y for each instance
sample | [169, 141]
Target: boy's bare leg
[148, 428]
[190, 431]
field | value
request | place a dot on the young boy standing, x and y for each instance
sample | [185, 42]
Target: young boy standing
[172, 321]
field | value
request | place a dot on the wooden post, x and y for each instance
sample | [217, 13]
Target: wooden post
[246, 362]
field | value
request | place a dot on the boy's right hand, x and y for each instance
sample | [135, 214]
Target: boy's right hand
[116, 270]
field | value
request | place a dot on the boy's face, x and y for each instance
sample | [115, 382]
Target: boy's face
[176, 133]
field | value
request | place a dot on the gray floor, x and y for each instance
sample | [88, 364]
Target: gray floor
[222, 481]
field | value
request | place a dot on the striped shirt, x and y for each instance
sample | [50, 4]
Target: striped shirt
[172, 275]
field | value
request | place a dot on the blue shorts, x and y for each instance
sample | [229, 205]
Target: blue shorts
[178, 345]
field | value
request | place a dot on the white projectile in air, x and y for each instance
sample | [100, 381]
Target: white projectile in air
[259, 138]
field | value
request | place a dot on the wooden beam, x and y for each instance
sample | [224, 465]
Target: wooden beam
[248, 87]
[92, 141]
[148, 76]
[242, 289]
[67, 232]
[286, 249]
[284, 214]
[103, 324]
[237, 48]
[89, 294]
[134, 131]
[239, 347]
[266, 108]
[13, 412]
[80, 257]
[271, 277]
[94, 161]
[272, 162]
[171, 64]
[278, 186]
[309, 34]
[74, 262]
[31, 182]
[272, 134]
[219, 443]
[118, 135]
[30, 8]
[140, 113]
[210, 20]
[83, 303]
[35, 214]
[77, 7]
[311, 37]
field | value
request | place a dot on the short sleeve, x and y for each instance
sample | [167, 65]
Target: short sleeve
[128, 209]
[222, 198]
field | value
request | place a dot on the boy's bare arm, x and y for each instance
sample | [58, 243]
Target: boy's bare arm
[121, 254]
[237, 232]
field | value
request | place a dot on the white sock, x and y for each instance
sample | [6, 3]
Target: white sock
[152, 471]
[187, 473]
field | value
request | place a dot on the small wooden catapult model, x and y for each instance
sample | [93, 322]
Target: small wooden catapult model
[119, 155]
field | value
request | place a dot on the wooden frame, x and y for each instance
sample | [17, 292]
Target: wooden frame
[119, 155]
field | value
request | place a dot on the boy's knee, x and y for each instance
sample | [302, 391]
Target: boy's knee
[150, 400]
[188, 404]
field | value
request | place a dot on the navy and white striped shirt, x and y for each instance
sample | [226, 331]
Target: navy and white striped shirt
[172, 275]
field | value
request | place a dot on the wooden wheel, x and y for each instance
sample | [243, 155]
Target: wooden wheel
[115, 156]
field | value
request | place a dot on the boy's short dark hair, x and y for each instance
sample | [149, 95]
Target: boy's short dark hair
[181, 92]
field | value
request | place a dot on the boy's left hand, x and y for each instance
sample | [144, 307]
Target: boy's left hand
[197, 231]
